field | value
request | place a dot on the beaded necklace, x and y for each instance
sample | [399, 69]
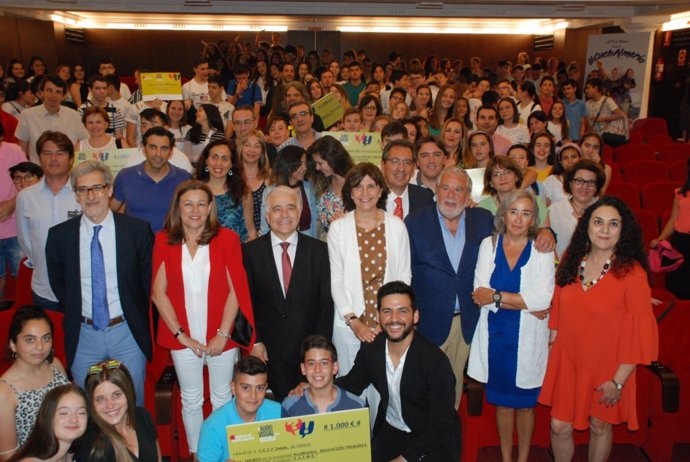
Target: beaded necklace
[604, 270]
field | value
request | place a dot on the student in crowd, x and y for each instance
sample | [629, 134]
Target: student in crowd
[521, 156]
[33, 373]
[195, 91]
[543, 151]
[566, 156]
[249, 404]
[575, 110]
[592, 147]
[61, 419]
[319, 364]
[208, 127]
[509, 124]
[96, 121]
[254, 165]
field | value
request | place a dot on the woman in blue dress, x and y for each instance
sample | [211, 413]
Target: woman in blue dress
[233, 200]
[513, 288]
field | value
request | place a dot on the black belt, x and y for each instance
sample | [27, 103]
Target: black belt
[456, 314]
[113, 322]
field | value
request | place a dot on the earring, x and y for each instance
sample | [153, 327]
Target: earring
[206, 169]
[229, 172]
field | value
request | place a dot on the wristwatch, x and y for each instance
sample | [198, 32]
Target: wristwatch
[497, 298]
[619, 386]
[349, 319]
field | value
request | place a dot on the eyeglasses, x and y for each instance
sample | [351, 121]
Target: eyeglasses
[246, 123]
[324, 363]
[398, 161]
[23, 178]
[96, 189]
[500, 173]
[100, 367]
[586, 183]
[297, 115]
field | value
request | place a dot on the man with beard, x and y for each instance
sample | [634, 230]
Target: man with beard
[443, 276]
[416, 418]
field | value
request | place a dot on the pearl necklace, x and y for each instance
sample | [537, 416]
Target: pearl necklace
[593, 282]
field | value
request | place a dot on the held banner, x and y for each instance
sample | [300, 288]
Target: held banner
[330, 437]
[161, 85]
[362, 146]
[116, 159]
[626, 59]
[329, 109]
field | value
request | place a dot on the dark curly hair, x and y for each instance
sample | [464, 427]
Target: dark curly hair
[629, 250]
[233, 179]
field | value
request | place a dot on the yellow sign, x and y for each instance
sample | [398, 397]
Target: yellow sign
[329, 109]
[161, 85]
[116, 159]
[330, 437]
[362, 146]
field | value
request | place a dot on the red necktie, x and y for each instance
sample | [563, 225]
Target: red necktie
[287, 266]
[398, 212]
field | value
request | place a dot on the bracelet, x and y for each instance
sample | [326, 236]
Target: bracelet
[179, 332]
[349, 320]
[223, 334]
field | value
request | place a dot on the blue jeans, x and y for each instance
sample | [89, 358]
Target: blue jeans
[116, 342]
[10, 253]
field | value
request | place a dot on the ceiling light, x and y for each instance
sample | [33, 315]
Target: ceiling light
[678, 21]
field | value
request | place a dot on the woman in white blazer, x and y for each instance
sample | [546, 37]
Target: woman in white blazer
[367, 233]
[513, 285]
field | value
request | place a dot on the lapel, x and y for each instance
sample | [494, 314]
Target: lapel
[438, 251]
[300, 265]
[471, 233]
[272, 279]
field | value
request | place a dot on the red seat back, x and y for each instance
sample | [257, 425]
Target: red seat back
[678, 171]
[627, 192]
[672, 152]
[648, 221]
[658, 197]
[642, 172]
[633, 151]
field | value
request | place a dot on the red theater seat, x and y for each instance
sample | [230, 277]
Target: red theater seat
[658, 196]
[633, 151]
[627, 192]
[642, 172]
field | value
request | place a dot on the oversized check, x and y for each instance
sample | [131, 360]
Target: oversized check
[116, 159]
[161, 85]
[330, 437]
[362, 146]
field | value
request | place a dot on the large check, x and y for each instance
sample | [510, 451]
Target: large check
[331, 437]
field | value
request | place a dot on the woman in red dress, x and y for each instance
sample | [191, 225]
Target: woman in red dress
[602, 327]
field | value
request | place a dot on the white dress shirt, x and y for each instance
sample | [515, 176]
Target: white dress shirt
[107, 240]
[390, 202]
[278, 254]
[195, 274]
[393, 375]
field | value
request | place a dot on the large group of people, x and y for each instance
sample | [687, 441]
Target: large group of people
[280, 264]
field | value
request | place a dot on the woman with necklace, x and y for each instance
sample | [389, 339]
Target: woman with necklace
[513, 286]
[583, 182]
[254, 165]
[367, 248]
[602, 326]
[332, 164]
[234, 204]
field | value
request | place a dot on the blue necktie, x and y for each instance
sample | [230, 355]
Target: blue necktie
[99, 294]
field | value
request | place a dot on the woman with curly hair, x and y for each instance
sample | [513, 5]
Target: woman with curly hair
[602, 326]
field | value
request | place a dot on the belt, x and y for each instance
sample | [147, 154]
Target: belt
[113, 322]
[456, 314]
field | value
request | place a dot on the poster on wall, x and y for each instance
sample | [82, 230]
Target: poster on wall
[623, 62]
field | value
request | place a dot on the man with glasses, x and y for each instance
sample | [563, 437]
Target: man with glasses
[44, 205]
[301, 119]
[397, 164]
[10, 156]
[99, 267]
[146, 189]
[50, 115]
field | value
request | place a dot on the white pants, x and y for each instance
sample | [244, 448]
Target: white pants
[190, 375]
[347, 345]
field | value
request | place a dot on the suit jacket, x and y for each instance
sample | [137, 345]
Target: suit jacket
[282, 323]
[134, 245]
[427, 395]
[419, 197]
[436, 283]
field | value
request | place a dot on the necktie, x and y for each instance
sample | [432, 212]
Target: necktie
[99, 294]
[398, 208]
[287, 266]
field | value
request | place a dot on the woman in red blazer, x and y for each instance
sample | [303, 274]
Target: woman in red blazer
[199, 287]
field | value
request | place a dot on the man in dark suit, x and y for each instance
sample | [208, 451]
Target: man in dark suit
[99, 267]
[290, 284]
[397, 164]
[444, 243]
[416, 419]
